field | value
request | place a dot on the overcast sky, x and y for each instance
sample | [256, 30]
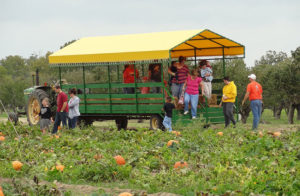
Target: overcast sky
[37, 26]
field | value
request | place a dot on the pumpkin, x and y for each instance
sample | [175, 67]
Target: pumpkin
[276, 134]
[60, 168]
[120, 160]
[1, 133]
[56, 136]
[220, 133]
[17, 165]
[98, 156]
[2, 138]
[180, 165]
[171, 142]
[177, 133]
[1, 192]
[59, 128]
[260, 134]
[125, 194]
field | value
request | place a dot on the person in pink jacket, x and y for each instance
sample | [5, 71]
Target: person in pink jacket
[192, 92]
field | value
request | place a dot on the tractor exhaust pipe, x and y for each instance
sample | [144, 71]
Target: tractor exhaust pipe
[37, 78]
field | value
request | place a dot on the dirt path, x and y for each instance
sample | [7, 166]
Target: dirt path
[88, 189]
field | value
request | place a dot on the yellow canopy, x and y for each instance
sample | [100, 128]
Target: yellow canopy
[138, 47]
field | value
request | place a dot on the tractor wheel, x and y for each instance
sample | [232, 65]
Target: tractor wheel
[122, 123]
[34, 105]
[156, 122]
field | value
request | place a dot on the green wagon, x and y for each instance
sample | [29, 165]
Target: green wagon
[106, 56]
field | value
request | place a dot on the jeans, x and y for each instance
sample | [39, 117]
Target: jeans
[176, 89]
[194, 103]
[168, 123]
[228, 113]
[59, 117]
[256, 107]
[72, 122]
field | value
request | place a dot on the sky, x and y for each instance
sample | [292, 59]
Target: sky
[36, 26]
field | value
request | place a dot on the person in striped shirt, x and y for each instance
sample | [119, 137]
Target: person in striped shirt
[181, 76]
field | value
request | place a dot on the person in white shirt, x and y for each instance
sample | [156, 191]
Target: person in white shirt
[73, 109]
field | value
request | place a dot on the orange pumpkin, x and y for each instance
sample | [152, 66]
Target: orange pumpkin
[260, 134]
[120, 160]
[56, 136]
[98, 156]
[177, 133]
[171, 142]
[276, 134]
[220, 133]
[59, 128]
[1, 133]
[1, 192]
[125, 194]
[2, 138]
[60, 168]
[180, 165]
[17, 165]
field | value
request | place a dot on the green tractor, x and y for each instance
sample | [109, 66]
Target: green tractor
[33, 98]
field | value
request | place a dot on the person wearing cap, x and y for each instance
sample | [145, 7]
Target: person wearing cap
[228, 99]
[254, 92]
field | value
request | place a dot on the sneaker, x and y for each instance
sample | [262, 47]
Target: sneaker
[194, 117]
[186, 112]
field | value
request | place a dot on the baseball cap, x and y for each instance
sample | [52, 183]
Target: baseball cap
[252, 76]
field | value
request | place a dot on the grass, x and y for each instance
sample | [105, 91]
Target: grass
[240, 162]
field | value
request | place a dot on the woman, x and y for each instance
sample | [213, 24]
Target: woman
[73, 109]
[192, 92]
[182, 74]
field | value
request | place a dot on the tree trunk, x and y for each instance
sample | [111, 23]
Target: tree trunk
[298, 111]
[274, 111]
[278, 111]
[291, 113]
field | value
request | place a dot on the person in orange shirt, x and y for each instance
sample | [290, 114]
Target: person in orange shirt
[254, 92]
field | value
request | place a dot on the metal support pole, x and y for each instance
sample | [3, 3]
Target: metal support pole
[162, 80]
[195, 54]
[118, 72]
[135, 89]
[59, 71]
[224, 73]
[84, 86]
[109, 88]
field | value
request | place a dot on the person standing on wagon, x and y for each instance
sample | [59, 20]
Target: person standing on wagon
[128, 78]
[182, 74]
[254, 92]
[62, 109]
[206, 74]
[192, 93]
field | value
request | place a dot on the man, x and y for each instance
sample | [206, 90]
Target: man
[228, 99]
[254, 92]
[128, 77]
[62, 109]
[205, 73]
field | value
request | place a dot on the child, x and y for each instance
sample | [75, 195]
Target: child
[45, 115]
[168, 108]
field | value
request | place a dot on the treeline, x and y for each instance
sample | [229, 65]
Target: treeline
[278, 73]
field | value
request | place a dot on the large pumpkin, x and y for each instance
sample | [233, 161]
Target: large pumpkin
[17, 165]
[171, 142]
[180, 165]
[120, 160]
[125, 194]
[1, 192]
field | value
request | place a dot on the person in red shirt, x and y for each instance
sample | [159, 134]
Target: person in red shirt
[128, 77]
[254, 92]
[62, 109]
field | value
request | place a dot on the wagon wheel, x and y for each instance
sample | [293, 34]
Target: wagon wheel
[156, 122]
[33, 106]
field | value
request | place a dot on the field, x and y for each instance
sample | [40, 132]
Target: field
[239, 162]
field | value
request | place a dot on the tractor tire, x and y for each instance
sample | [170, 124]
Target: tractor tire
[156, 122]
[122, 123]
[34, 105]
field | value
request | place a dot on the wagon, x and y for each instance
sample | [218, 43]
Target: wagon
[97, 64]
